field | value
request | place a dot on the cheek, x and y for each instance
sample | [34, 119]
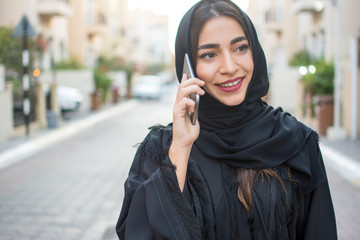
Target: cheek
[203, 72]
[251, 64]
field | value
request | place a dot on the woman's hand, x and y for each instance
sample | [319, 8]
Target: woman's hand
[184, 133]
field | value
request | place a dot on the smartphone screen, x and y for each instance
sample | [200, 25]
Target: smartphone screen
[194, 96]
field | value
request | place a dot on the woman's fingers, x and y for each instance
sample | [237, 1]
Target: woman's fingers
[184, 105]
[184, 133]
[189, 86]
[186, 91]
[190, 81]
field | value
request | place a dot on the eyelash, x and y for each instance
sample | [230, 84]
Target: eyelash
[243, 47]
[209, 55]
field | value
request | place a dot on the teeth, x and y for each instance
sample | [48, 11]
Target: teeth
[229, 84]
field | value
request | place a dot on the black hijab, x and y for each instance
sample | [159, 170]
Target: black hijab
[252, 134]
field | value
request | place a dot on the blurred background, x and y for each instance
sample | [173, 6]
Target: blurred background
[81, 80]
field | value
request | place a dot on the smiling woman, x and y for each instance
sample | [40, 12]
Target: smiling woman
[245, 170]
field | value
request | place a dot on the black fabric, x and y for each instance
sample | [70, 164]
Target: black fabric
[154, 207]
[252, 134]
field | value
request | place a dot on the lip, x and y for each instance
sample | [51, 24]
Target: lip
[231, 81]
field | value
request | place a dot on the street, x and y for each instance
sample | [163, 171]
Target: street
[74, 189]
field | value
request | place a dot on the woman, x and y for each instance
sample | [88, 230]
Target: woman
[244, 170]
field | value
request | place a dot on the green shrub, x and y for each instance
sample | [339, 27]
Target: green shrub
[301, 58]
[322, 81]
[72, 63]
[102, 83]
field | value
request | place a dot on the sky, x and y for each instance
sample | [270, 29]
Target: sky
[175, 9]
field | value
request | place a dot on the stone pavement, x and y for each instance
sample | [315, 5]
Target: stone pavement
[343, 156]
[342, 159]
[56, 197]
[20, 148]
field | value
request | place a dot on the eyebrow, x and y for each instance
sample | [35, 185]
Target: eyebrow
[238, 39]
[215, 45]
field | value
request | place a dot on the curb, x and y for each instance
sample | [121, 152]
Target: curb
[347, 167]
[31, 147]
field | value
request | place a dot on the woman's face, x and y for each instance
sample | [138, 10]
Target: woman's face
[224, 60]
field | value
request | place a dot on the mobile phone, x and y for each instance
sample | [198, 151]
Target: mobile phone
[187, 69]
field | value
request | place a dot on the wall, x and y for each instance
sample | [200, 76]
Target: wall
[6, 114]
[80, 79]
[283, 89]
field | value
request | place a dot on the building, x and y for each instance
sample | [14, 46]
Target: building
[83, 30]
[97, 28]
[148, 39]
[328, 29]
[49, 18]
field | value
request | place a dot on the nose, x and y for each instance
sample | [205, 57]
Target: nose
[228, 64]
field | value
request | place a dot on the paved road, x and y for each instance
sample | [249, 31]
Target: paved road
[74, 189]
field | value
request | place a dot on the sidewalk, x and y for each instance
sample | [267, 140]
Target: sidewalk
[343, 156]
[20, 148]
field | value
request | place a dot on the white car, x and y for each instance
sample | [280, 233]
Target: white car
[147, 86]
[69, 98]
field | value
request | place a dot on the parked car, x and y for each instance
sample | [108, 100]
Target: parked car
[147, 86]
[69, 98]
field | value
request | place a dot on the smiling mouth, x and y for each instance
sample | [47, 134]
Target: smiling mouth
[229, 84]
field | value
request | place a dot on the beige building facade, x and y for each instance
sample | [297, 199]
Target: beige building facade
[328, 29]
[97, 28]
[148, 38]
[49, 18]
[84, 30]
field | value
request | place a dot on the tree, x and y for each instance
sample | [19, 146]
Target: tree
[10, 53]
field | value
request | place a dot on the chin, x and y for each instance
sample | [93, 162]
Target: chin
[232, 101]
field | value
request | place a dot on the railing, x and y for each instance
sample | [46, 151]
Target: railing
[65, 1]
[308, 5]
[54, 8]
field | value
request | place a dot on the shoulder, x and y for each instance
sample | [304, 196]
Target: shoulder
[155, 146]
[151, 154]
[159, 138]
[290, 122]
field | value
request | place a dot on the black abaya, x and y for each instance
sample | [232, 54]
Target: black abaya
[154, 207]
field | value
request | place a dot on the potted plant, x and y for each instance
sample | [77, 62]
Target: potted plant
[318, 81]
[320, 85]
[102, 87]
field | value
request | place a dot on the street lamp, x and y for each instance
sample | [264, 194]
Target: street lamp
[303, 70]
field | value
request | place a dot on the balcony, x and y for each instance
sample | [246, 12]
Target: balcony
[273, 21]
[52, 8]
[314, 6]
[95, 30]
[96, 25]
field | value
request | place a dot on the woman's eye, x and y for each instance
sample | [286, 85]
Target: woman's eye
[242, 48]
[207, 55]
